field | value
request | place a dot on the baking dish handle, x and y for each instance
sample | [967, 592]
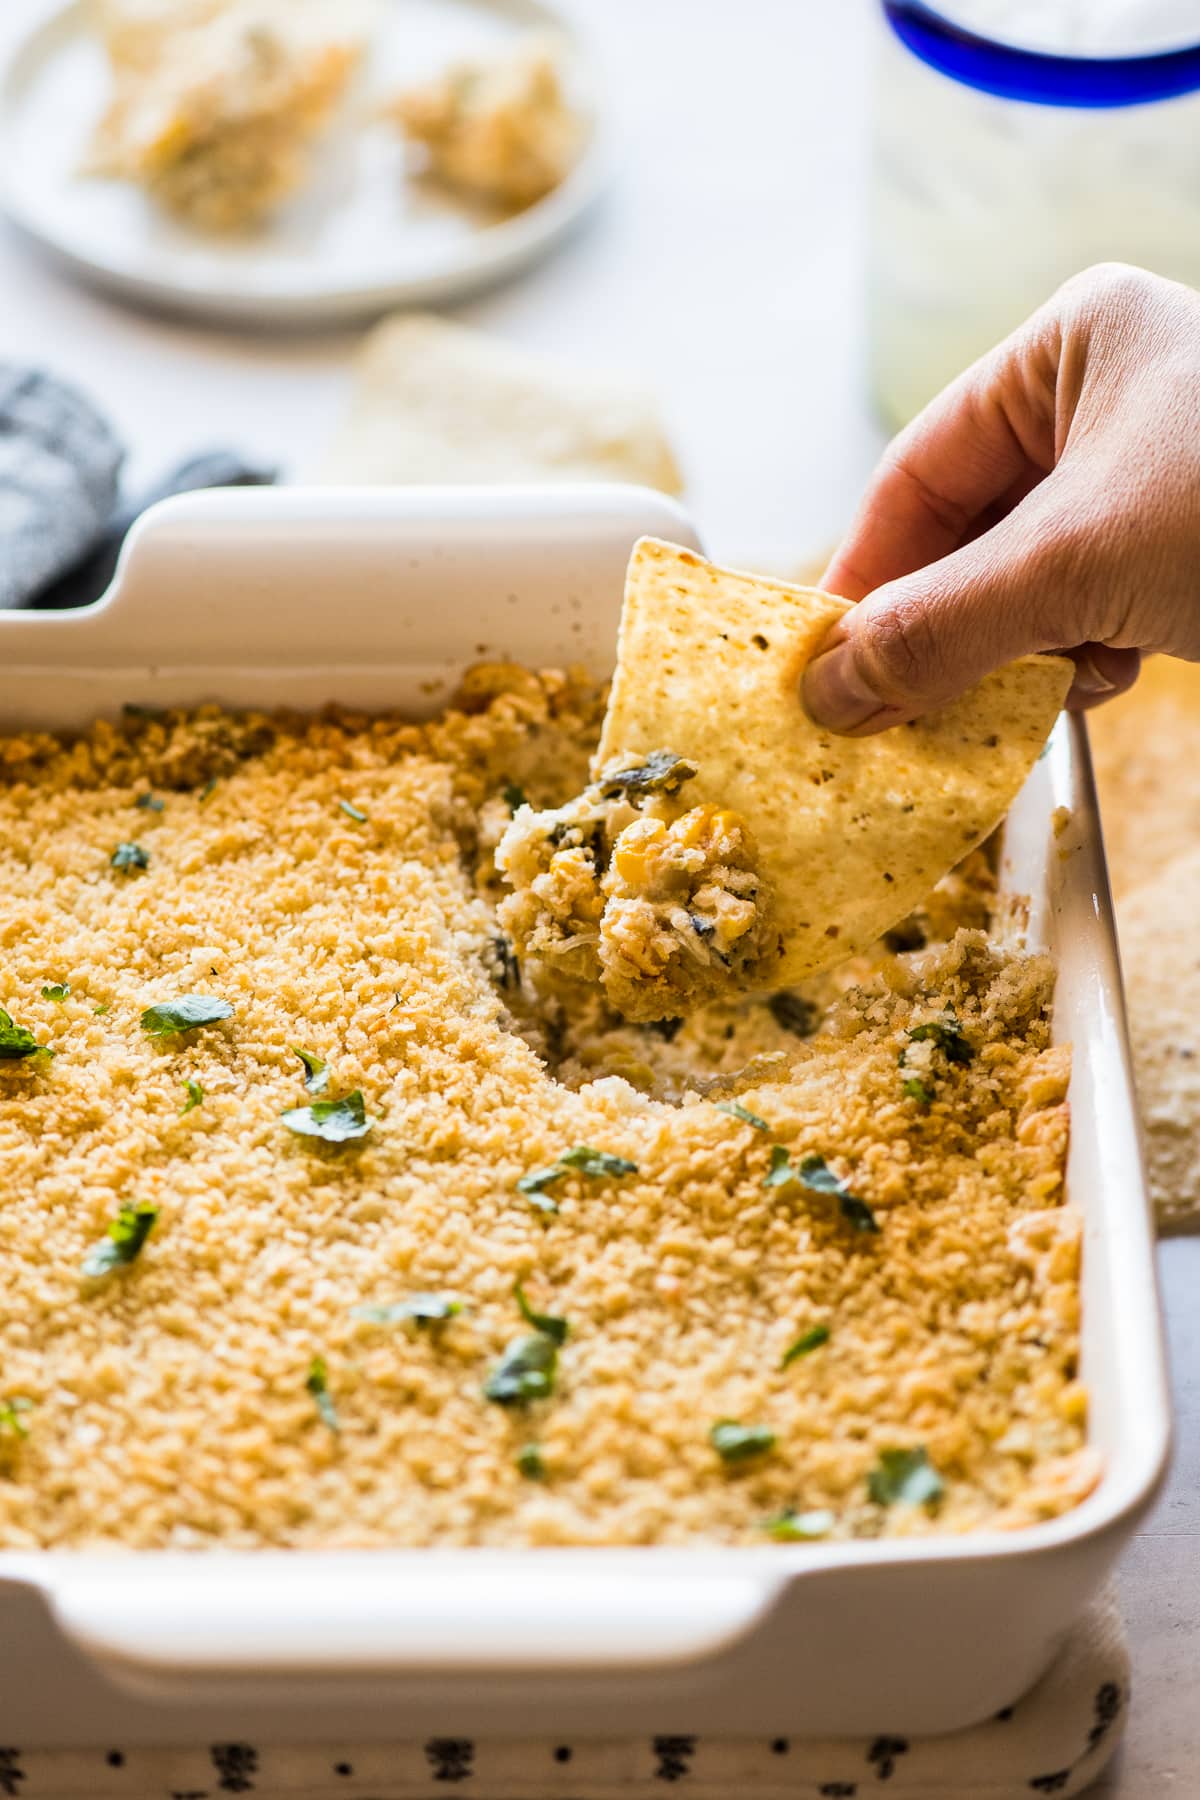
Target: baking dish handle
[359, 1613]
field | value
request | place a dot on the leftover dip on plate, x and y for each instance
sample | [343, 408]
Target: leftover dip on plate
[220, 109]
[217, 105]
[499, 129]
[332, 1219]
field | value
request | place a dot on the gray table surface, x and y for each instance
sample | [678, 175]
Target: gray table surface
[1159, 1578]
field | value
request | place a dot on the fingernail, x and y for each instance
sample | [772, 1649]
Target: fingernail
[1089, 679]
[835, 694]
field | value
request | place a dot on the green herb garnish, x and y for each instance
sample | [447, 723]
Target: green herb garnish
[548, 1323]
[56, 990]
[594, 1163]
[12, 1425]
[337, 1121]
[101, 1009]
[420, 1309]
[17, 1041]
[537, 1179]
[947, 1035]
[186, 1014]
[208, 788]
[740, 1112]
[195, 1095]
[129, 856]
[597, 1163]
[791, 1527]
[814, 1173]
[317, 1383]
[794, 1014]
[736, 1443]
[149, 803]
[913, 1088]
[542, 1203]
[662, 773]
[316, 1070]
[123, 1243]
[513, 796]
[531, 1463]
[905, 1477]
[524, 1372]
[353, 812]
[812, 1339]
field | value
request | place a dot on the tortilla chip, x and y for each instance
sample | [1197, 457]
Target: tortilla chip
[434, 401]
[852, 832]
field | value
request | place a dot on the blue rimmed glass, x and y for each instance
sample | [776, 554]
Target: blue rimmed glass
[1002, 167]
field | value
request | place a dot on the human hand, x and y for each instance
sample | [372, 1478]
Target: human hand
[1049, 499]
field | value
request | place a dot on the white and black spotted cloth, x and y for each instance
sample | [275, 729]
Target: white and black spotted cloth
[1055, 1741]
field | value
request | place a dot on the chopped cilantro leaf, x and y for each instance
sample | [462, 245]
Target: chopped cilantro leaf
[542, 1203]
[420, 1309]
[812, 1339]
[101, 1009]
[56, 990]
[594, 1163]
[857, 1213]
[597, 1163]
[513, 796]
[17, 1041]
[736, 1443]
[794, 1014]
[129, 856]
[747, 1118]
[123, 1243]
[817, 1176]
[814, 1173]
[149, 803]
[549, 1323]
[317, 1383]
[353, 812]
[791, 1527]
[947, 1035]
[12, 1424]
[195, 1095]
[316, 1070]
[531, 1463]
[524, 1372]
[780, 1173]
[336, 1121]
[662, 773]
[186, 1014]
[208, 788]
[905, 1477]
[537, 1179]
[913, 1088]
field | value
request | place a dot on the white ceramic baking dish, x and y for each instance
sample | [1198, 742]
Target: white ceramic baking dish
[368, 598]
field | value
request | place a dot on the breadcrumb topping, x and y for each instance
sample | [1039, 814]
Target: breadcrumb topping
[250, 1375]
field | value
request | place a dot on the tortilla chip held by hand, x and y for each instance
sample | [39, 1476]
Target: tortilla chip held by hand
[851, 833]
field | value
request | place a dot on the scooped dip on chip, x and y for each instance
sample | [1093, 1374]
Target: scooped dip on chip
[660, 902]
[751, 848]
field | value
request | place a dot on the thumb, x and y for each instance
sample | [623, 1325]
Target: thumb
[921, 641]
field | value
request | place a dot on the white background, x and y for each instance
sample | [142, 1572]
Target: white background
[725, 268]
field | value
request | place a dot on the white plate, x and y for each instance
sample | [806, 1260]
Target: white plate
[360, 238]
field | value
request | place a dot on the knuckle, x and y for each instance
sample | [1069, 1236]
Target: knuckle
[901, 652]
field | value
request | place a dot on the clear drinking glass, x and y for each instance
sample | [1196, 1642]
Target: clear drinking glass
[1017, 141]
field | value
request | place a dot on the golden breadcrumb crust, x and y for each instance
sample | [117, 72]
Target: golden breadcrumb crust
[170, 1400]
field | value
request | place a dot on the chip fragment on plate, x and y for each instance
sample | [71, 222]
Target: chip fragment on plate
[851, 833]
